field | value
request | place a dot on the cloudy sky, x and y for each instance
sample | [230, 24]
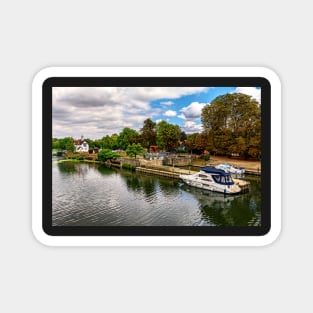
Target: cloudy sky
[98, 111]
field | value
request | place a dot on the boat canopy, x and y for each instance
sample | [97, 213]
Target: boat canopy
[213, 170]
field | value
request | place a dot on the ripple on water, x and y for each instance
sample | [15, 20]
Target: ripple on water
[86, 195]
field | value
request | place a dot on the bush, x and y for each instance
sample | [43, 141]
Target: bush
[107, 154]
[206, 157]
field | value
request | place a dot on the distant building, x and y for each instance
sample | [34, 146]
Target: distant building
[95, 150]
[154, 149]
[81, 145]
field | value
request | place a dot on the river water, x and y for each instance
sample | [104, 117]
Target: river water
[86, 194]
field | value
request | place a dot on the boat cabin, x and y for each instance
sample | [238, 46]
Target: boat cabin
[219, 176]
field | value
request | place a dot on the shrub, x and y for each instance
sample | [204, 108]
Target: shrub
[107, 154]
[206, 157]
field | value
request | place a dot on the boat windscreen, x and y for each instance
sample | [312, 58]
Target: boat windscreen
[223, 179]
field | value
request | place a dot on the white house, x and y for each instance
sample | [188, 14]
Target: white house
[81, 145]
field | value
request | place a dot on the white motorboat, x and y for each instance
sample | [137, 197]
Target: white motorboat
[228, 168]
[213, 179]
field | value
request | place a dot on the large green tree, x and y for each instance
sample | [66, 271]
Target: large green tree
[127, 137]
[109, 142]
[148, 133]
[233, 123]
[168, 135]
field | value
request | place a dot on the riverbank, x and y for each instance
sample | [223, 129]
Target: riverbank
[151, 169]
[78, 161]
[252, 167]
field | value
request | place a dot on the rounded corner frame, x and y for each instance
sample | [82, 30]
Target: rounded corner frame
[45, 238]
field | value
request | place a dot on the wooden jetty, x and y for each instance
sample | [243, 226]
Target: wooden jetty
[243, 184]
[174, 172]
[157, 172]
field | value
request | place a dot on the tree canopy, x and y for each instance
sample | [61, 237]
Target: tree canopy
[198, 142]
[66, 143]
[107, 142]
[127, 137]
[134, 149]
[233, 123]
[168, 135]
[148, 133]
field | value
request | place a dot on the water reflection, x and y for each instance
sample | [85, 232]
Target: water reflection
[150, 185]
[92, 194]
[145, 185]
[104, 170]
[68, 167]
[228, 210]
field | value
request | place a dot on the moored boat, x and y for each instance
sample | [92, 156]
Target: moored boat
[213, 179]
[228, 168]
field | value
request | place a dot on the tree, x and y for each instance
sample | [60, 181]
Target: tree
[109, 142]
[183, 136]
[107, 154]
[127, 137]
[114, 144]
[148, 133]
[233, 123]
[91, 143]
[55, 143]
[134, 149]
[168, 135]
[98, 143]
[197, 142]
[67, 144]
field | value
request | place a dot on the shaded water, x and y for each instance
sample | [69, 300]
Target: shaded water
[86, 194]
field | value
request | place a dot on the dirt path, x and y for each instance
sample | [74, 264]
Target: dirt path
[247, 164]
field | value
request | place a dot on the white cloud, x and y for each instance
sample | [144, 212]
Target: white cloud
[192, 111]
[154, 93]
[251, 91]
[182, 116]
[191, 127]
[158, 121]
[98, 111]
[170, 113]
[167, 102]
